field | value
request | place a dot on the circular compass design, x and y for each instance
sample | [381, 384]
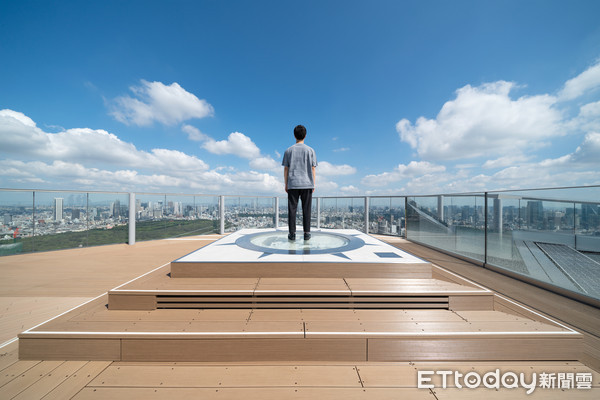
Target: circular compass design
[277, 242]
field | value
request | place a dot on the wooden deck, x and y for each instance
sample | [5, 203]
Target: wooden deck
[36, 379]
[582, 317]
[277, 378]
[206, 319]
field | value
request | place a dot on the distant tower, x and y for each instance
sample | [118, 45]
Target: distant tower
[58, 209]
[116, 209]
[535, 214]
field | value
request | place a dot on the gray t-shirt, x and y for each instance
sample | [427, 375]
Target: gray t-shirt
[300, 159]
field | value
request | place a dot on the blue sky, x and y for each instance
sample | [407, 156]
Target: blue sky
[399, 97]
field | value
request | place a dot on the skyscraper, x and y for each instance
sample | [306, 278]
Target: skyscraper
[58, 209]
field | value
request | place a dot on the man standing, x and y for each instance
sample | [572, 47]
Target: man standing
[299, 163]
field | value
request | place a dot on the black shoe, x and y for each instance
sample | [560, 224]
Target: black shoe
[307, 236]
[291, 236]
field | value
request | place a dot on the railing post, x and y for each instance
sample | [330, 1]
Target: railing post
[131, 221]
[440, 201]
[222, 214]
[33, 222]
[318, 213]
[485, 229]
[405, 217]
[366, 215]
[276, 212]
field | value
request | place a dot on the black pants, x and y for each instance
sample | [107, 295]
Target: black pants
[306, 196]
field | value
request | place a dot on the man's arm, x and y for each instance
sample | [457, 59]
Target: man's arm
[285, 176]
[314, 170]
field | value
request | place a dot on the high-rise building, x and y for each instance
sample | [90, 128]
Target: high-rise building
[116, 211]
[535, 214]
[75, 213]
[58, 209]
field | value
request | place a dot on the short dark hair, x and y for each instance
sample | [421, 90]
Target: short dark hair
[300, 132]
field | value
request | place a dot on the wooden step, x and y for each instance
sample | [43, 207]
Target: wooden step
[92, 332]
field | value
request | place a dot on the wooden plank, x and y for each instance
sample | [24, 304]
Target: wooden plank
[14, 370]
[255, 393]
[486, 315]
[407, 315]
[591, 348]
[50, 381]
[21, 313]
[131, 302]
[577, 314]
[27, 378]
[396, 375]
[333, 282]
[69, 349]
[341, 328]
[125, 329]
[474, 349]
[485, 302]
[85, 272]
[244, 350]
[78, 380]
[227, 376]
[276, 315]
[9, 354]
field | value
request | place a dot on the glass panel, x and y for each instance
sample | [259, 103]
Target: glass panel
[60, 220]
[343, 213]
[249, 212]
[108, 218]
[386, 215]
[151, 216]
[190, 215]
[16, 222]
[451, 223]
[550, 235]
[283, 212]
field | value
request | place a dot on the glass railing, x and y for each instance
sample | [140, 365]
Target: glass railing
[342, 213]
[249, 212]
[550, 236]
[387, 216]
[453, 223]
[160, 216]
[46, 220]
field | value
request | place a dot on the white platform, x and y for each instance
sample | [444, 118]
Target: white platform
[373, 251]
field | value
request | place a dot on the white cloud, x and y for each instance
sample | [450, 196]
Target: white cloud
[194, 133]
[505, 161]
[350, 190]
[265, 163]
[341, 149]
[19, 136]
[413, 170]
[588, 118]
[64, 175]
[236, 143]
[157, 102]
[588, 153]
[587, 81]
[484, 121]
[327, 169]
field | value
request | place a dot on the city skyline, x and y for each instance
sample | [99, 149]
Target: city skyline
[399, 97]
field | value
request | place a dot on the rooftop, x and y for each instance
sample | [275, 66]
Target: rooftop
[39, 286]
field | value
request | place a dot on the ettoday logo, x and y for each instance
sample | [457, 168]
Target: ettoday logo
[507, 380]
